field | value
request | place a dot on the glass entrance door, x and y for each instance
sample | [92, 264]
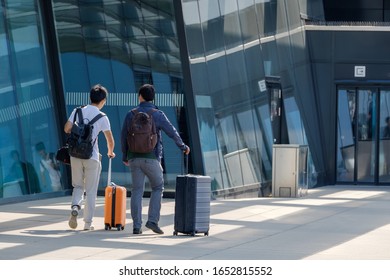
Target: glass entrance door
[384, 139]
[363, 136]
[366, 136]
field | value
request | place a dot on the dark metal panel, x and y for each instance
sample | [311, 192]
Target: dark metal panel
[54, 67]
[196, 154]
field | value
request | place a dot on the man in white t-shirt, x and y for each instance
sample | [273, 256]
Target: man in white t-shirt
[49, 163]
[86, 172]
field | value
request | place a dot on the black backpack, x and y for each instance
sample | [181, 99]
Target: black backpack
[142, 136]
[80, 141]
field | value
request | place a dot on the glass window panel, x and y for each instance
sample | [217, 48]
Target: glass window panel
[298, 49]
[266, 152]
[217, 68]
[194, 35]
[253, 60]
[384, 145]
[281, 18]
[247, 13]
[208, 139]
[122, 44]
[266, 16]
[27, 114]
[233, 150]
[296, 132]
[231, 23]
[236, 68]
[212, 26]
[208, 10]
[91, 15]
[284, 52]
[293, 13]
[346, 122]
[252, 135]
[229, 134]
[367, 112]
[199, 78]
[193, 29]
[271, 60]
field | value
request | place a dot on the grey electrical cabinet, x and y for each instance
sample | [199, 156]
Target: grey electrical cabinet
[289, 170]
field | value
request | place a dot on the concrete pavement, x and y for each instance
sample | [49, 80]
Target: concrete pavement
[330, 223]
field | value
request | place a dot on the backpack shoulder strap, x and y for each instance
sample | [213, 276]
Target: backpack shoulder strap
[97, 117]
[78, 114]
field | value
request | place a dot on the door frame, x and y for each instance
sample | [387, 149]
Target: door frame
[379, 90]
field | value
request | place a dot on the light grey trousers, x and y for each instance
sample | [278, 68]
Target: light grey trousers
[85, 177]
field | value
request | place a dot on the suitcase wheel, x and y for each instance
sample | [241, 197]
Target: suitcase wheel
[120, 227]
[175, 232]
[107, 227]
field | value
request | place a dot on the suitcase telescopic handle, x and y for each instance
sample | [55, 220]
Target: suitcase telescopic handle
[184, 169]
[109, 172]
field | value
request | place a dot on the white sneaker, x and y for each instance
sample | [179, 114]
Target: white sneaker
[88, 226]
[73, 217]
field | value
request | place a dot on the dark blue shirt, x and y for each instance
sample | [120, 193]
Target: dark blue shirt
[161, 122]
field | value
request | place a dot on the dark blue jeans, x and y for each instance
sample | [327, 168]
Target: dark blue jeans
[140, 168]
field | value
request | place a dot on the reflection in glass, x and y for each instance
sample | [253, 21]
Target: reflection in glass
[27, 113]
[346, 123]
[367, 129]
[296, 131]
[249, 127]
[384, 144]
[122, 45]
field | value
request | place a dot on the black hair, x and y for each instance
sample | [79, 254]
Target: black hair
[97, 93]
[39, 146]
[147, 92]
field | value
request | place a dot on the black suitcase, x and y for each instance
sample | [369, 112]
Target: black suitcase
[192, 204]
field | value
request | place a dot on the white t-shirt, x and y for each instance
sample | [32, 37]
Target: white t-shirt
[55, 175]
[102, 124]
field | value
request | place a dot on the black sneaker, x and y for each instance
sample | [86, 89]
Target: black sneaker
[137, 231]
[154, 227]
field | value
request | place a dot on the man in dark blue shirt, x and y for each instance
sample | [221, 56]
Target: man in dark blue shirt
[144, 165]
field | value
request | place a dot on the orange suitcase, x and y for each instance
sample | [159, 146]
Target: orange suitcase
[114, 204]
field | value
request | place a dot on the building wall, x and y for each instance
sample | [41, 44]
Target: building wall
[123, 45]
[335, 51]
[118, 44]
[210, 62]
[228, 57]
[28, 113]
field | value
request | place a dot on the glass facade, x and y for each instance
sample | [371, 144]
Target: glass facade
[122, 45]
[28, 124]
[233, 76]
[233, 45]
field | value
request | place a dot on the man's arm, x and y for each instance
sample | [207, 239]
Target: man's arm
[171, 131]
[110, 143]
[68, 127]
[124, 139]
